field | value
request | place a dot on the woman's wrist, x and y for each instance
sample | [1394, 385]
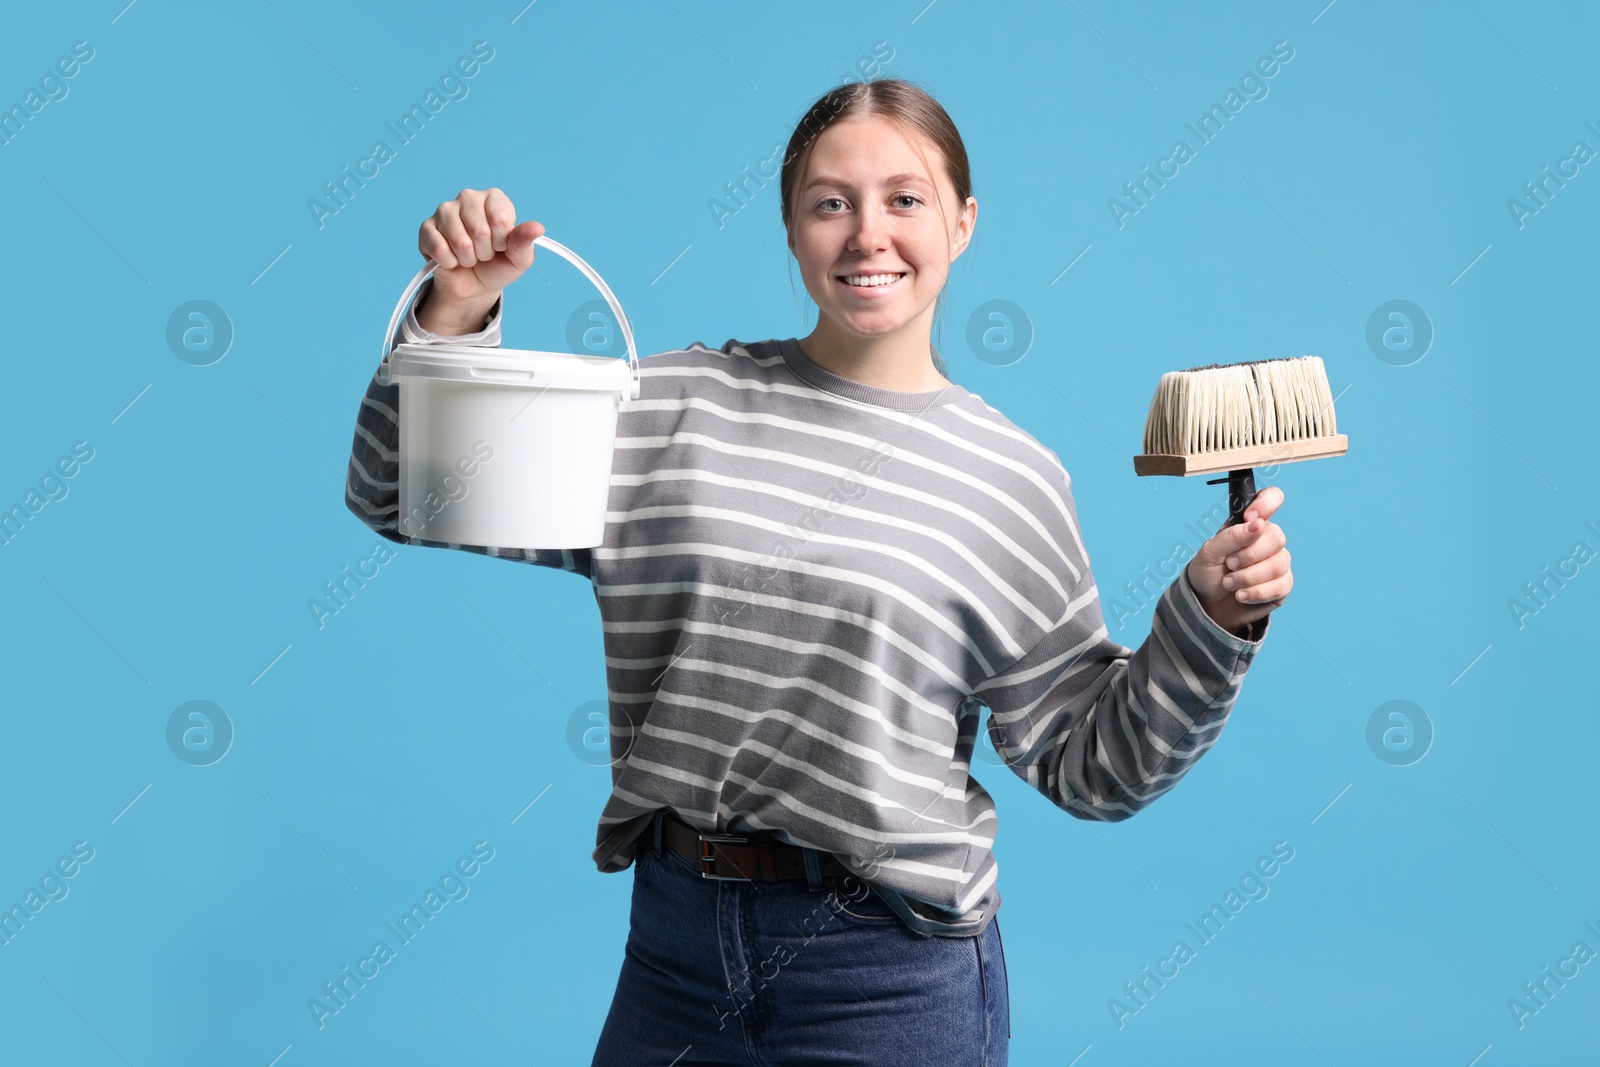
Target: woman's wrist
[452, 319]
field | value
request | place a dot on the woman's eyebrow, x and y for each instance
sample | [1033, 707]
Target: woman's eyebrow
[893, 179]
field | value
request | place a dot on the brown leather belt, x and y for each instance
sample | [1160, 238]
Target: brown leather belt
[746, 857]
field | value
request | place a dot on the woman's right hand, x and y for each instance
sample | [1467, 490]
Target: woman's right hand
[480, 249]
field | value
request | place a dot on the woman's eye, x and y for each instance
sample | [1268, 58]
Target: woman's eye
[907, 196]
[825, 201]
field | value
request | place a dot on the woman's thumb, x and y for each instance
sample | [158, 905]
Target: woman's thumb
[519, 243]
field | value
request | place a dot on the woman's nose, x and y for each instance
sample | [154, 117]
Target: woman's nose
[871, 233]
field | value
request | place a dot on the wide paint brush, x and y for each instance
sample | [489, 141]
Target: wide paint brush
[1238, 416]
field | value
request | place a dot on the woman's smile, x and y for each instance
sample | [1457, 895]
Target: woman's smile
[871, 285]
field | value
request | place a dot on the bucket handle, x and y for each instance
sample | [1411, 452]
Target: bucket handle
[543, 242]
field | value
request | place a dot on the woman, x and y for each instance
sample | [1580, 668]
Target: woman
[822, 557]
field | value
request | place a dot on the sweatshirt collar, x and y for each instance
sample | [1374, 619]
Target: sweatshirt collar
[829, 382]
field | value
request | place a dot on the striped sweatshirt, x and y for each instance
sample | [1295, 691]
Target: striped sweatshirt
[810, 586]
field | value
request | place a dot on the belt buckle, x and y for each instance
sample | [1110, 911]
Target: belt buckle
[706, 859]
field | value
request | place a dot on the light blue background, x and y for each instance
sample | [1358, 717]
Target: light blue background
[431, 711]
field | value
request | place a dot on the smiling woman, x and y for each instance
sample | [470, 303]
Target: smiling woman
[821, 559]
[875, 230]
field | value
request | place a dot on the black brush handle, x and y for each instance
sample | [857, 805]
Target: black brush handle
[1241, 492]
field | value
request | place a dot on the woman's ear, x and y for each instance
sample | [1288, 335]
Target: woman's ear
[965, 225]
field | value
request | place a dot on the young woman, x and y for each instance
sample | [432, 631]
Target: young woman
[822, 558]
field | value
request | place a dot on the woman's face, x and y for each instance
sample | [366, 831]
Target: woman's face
[868, 233]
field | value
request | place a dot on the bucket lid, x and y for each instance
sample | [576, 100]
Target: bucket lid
[513, 366]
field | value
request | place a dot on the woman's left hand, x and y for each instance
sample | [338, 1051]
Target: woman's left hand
[1242, 572]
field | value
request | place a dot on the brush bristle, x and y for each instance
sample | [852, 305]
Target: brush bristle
[1236, 405]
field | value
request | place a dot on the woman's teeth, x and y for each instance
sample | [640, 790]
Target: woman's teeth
[870, 280]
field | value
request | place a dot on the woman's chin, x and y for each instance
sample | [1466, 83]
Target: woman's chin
[872, 324]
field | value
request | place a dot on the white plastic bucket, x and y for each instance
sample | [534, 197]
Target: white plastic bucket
[504, 447]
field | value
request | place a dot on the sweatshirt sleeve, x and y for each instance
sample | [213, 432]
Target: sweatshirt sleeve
[1102, 730]
[372, 480]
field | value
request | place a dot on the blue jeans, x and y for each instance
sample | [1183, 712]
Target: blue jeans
[776, 973]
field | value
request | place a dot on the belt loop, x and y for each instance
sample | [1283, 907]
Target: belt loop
[813, 870]
[655, 830]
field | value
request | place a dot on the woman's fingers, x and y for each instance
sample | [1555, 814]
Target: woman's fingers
[431, 243]
[448, 219]
[479, 250]
[502, 217]
[1269, 539]
[1271, 592]
[475, 223]
[1250, 580]
[468, 230]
